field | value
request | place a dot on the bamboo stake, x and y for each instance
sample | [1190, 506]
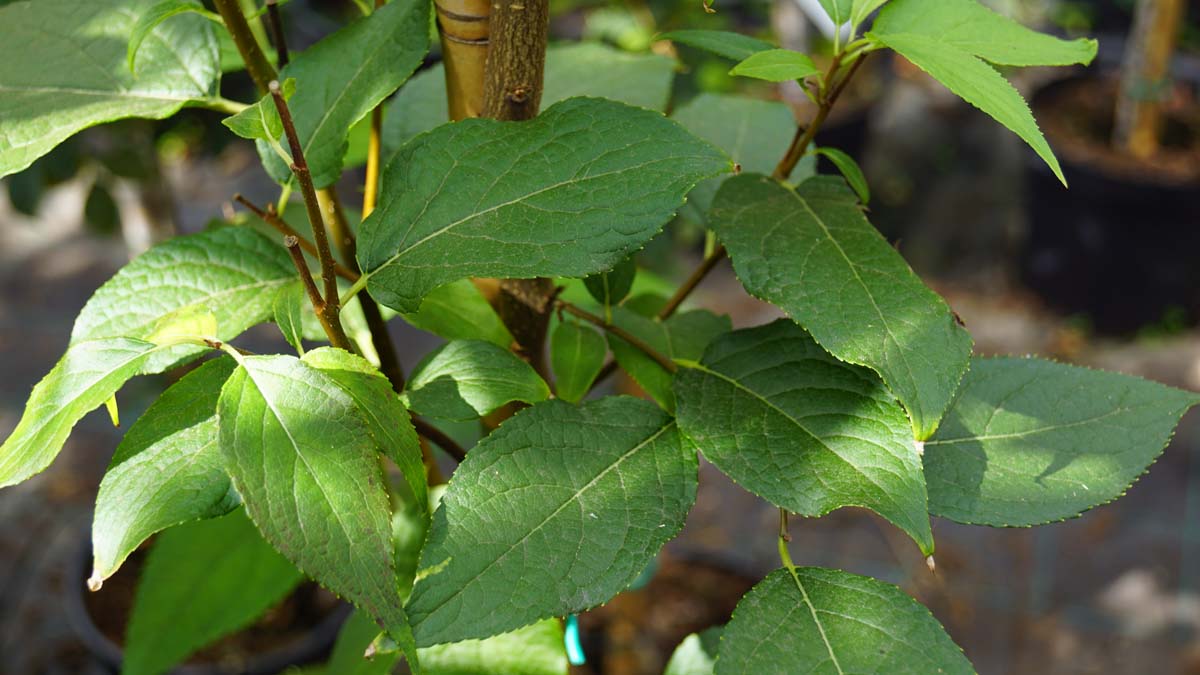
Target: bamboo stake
[1145, 76]
[463, 25]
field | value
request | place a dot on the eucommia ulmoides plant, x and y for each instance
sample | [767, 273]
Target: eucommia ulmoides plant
[866, 395]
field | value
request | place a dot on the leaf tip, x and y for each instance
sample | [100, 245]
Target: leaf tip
[931, 564]
[95, 582]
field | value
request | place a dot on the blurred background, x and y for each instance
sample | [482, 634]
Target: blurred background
[1106, 274]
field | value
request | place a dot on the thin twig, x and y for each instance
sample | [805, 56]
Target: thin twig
[692, 282]
[381, 339]
[805, 135]
[439, 437]
[625, 335]
[300, 169]
[270, 217]
[260, 69]
[275, 24]
[293, 248]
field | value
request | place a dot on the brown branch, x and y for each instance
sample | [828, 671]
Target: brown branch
[691, 283]
[293, 248]
[271, 218]
[439, 437]
[516, 59]
[261, 70]
[300, 169]
[328, 310]
[275, 24]
[805, 135]
[625, 335]
[381, 339]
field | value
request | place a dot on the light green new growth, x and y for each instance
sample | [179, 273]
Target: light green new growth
[467, 379]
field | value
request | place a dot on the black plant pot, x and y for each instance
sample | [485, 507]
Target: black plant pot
[1121, 247]
[310, 647]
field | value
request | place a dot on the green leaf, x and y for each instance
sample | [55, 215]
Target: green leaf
[1029, 442]
[288, 310]
[830, 621]
[850, 171]
[595, 69]
[340, 79]
[572, 69]
[811, 252]
[467, 379]
[808, 433]
[303, 455]
[458, 311]
[750, 130]
[696, 655]
[536, 649]
[166, 471]
[970, 27]
[356, 635]
[63, 69]
[776, 65]
[953, 39]
[838, 10]
[261, 121]
[87, 376]
[609, 288]
[157, 14]
[577, 355]
[683, 336]
[862, 9]
[556, 511]
[572, 192]
[202, 581]
[733, 46]
[386, 416]
[232, 272]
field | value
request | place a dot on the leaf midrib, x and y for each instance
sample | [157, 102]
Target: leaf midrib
[567, 502]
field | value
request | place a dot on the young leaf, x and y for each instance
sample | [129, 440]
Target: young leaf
[850, 171]
[555, 512]
[838, 10]
[231, 272]
[862, 9]
[801, 429]
[87, 376]
[303, 455]
[577, 355]
[166, 471]
[288, 310]
[536, 649]
[830, 621]
[696, 655]
[750, 130]
[571, 192]
[733, 46]
[261, 121]
[609, 288]
[811, 252]
[1029, 442]
[683, 336]
[201, 582]
[152, 17]
[952, 39]
[776, 65]
[386, 416]
[61, 81]
[457, 311]
[573, 69]
[343, 77]
[467, 379]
